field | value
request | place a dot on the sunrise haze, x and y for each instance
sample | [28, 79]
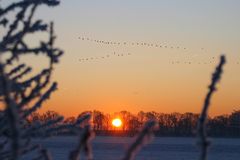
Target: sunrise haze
[150, 78]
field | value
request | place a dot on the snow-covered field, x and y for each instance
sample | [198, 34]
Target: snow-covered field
[113, 148]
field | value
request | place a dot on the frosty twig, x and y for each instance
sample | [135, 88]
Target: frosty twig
[142, 138]
[202, 134]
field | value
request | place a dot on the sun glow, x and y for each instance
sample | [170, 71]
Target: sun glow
[116, 122]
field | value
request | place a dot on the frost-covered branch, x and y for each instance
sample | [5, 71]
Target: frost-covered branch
[202, 133]
[142, 138]
[11, 113]
[23, 93]
[84, 141]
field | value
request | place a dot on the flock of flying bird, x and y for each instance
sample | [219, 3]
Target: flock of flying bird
[144, 44]
[104, 57]
[189, 62]
[161, 45]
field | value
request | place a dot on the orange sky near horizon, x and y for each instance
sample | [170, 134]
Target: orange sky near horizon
[149, 79]
[146, 80]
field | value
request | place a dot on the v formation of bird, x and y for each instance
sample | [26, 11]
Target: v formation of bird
[139, 44]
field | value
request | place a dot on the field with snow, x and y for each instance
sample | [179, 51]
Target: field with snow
[113, 148]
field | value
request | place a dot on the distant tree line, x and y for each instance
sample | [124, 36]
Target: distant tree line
[169, 124]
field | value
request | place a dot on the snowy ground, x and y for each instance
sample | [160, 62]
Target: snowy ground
[113, 148]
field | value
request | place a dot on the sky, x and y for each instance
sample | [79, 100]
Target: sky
[145, 78]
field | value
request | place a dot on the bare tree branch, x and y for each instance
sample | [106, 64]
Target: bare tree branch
[202, 133]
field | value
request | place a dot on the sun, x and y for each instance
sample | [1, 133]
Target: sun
[116, 122]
